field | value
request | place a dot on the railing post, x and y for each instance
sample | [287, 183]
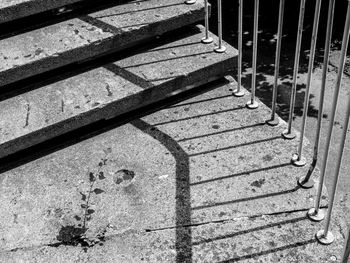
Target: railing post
[324, 236]
[346, 253]
[220, 48]
[307, 181]
[298, 159]
[238, 92]
[207, 39]
[252, 103]
[289, 134]
[274, 120]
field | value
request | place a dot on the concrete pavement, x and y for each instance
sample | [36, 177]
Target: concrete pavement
[201, 181]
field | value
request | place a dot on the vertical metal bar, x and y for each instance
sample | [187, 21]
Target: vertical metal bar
[346, 253]
[325, 236]
[220, 48]
[274, 121]
[298, 159]
[288, 134]
[207, 39]
[252, 103]
[238, 92]
[314, 213]
[306, 181]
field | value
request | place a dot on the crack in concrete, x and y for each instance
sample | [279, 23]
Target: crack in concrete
[109, 92]
[62, 105]
[27, 115]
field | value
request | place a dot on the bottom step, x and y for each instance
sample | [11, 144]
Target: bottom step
[153, 74]
[201, 181]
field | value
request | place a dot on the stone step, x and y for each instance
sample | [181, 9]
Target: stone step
[86, 37]
[176, 64]
[204, 180]
[15, 9]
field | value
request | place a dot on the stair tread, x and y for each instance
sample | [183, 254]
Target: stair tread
[110, 90]
[15, 9]
[77, 39]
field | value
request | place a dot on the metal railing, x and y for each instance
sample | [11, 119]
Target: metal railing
[324, 236]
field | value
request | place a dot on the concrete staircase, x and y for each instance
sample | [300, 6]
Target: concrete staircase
[67, 75]
[99, 163]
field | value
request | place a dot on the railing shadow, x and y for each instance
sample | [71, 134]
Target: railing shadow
[199, 101]
[247, 231]
[183, 236]
[140, 10]
[199, 116]
[237, 146]
[247, 199]
[242, 173]
[270, 251]
[220, 132]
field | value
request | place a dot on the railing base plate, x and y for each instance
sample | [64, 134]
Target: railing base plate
[273, 122]
[306, 184]
[190, 2]
[207, 40]
[251, 105]
[238, 93]
[221, 49]
[287, 135]
[298, 161]
[325, 239]
[317, 217]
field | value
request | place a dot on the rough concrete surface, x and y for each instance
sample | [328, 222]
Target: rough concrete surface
[201, 181]
[264, 87]
[15, 9]
[152, 74]
[82, 38]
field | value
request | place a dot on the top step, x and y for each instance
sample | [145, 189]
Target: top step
[15, 9]
[95, 34]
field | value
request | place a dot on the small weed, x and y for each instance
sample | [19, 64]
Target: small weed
[72, 235]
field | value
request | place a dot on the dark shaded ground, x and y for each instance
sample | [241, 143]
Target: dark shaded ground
[268, 20]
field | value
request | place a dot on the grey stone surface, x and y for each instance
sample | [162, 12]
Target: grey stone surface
[15, 9]
[266, 239]
[82, 38]
[201, 181]
[150, 75]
